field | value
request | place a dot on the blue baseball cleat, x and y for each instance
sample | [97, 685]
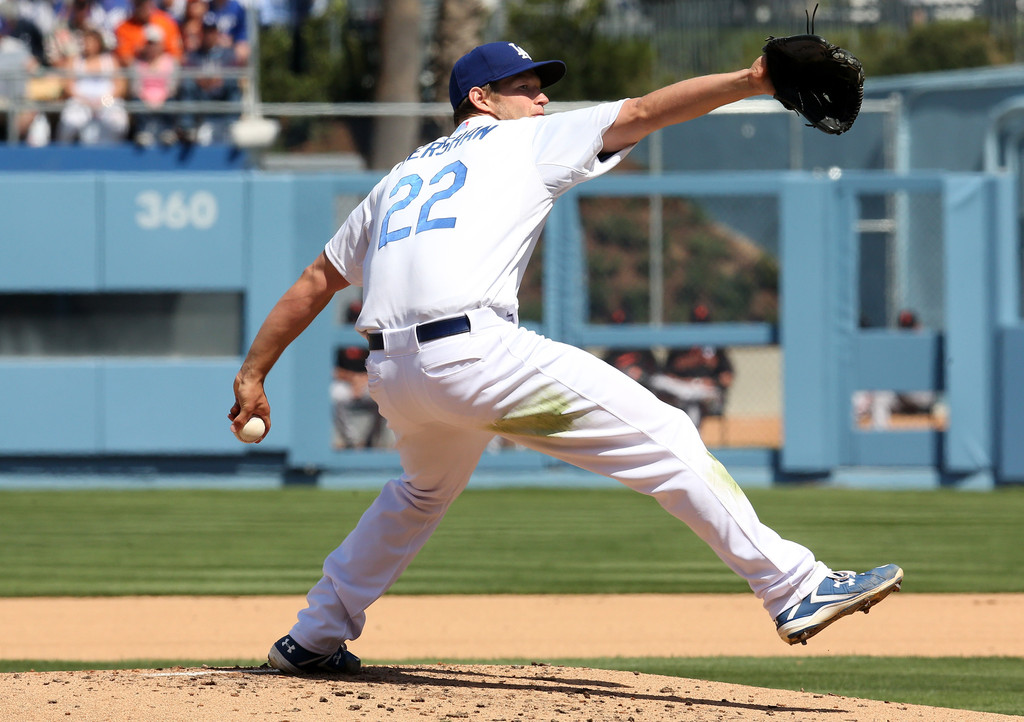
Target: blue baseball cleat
[841, 593]
[289, 657]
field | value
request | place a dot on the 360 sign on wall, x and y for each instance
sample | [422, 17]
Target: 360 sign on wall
[176, 210]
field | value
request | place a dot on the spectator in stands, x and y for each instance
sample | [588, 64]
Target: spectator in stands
[31, 21]
[214, 57]
[174, 8]
[294, 13]
[94, 111]
[697, 378]
[192, 25]
[42, 16]
[154, 81]
[23, 26]
[131, 34]
[109, 14]
[64, 43]
[17, 62]
[231, 19]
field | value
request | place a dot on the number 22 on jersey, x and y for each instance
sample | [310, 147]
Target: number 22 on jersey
[423, 222]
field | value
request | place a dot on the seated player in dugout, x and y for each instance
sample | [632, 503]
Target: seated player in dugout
[696, 378]
[637, 363]
[439, 246]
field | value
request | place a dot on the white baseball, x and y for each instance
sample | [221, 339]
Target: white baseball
[252, 431]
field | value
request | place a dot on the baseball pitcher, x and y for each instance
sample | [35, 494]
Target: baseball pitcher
[439, 247]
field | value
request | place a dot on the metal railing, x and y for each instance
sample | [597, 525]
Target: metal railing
[14, 107]
[249, 106]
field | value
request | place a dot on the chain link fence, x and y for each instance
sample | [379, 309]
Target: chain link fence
[901, 288]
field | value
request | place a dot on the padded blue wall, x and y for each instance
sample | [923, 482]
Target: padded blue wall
[254, 233]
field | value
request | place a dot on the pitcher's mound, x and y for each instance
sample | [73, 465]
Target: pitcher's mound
[428, 692]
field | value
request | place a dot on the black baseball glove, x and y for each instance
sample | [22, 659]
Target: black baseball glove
[820, 81]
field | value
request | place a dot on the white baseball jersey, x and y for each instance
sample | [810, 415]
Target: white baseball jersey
[452, 227]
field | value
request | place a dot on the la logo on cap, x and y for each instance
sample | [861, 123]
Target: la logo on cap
[522, 53]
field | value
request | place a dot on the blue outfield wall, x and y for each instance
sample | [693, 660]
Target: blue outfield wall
[84, 418]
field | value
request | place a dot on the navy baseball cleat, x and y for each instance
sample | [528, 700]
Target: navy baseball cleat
[841, 593]
[287, 656]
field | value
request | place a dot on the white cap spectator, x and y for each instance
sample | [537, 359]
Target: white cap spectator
[154, 34]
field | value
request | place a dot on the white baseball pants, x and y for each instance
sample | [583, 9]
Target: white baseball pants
[446, 399]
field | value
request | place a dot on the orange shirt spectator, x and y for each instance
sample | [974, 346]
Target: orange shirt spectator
[131, 34]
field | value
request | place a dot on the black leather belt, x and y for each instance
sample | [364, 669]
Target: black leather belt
[430, 331]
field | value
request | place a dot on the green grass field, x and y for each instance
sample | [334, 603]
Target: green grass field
[535, 541]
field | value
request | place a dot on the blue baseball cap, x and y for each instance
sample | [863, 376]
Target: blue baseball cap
[497, 61]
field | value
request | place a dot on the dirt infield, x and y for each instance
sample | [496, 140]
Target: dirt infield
[537, 628]
[431, 692]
